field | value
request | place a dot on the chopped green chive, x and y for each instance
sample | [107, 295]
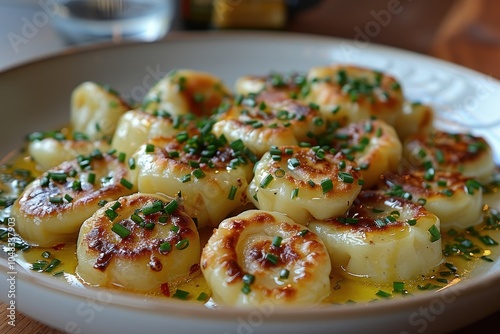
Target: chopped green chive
[137, 219]
[153, 208]
[472, 185]
[302, 233]
[173, 154]
[257, 125]
[395, 213]
[202, 297]
[272, 258]
[181, 137]
[237, 145]
[421, 201]
[248, 279]
[56, 200]
[127, 184]
[295, 193]
[181, 294]
[346, 177]
[232, 193]
[326, 185]
[383, 294]
[246, 289]
[44, 182]
[266, 181]
[58, 176]
[198, 173]
[182, 244]
[76, 185]
[429, 174]
[193, 164]
[68, 198]
[487, 240]
[447, 192]
[398, 287]
[115, 205]
[91, 178]
[284, 274]
[39, 265]
[293, 163]
[277, 241]
[165, 247]
[121, 230]
[442, 183]
[275, 151]
[171, 207]
[435, 233]
[111, 214]
[54, 263]
[131, 163]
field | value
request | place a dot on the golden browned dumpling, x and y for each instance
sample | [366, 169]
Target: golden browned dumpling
[304, 182]
[454, 198]
[52, 208]
[185, 91]
[455, 152]
[140, 242]
[270, 119]
[382, 239]
[95, 110]
[261, 256]
[210, 174]
[373, 144]
[347, 93]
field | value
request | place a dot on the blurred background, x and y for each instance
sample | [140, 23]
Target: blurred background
[466, 32]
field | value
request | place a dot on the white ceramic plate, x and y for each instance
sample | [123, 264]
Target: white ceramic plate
[36, 96]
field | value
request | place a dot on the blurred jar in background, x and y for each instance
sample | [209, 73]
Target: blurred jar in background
[241, 14]
[80, 21]
[255, 14]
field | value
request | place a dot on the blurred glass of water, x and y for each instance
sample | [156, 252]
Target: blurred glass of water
[81, 21]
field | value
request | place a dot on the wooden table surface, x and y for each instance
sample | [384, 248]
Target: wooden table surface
[466, 32]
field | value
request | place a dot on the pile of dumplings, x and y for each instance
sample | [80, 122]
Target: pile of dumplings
[295, 176]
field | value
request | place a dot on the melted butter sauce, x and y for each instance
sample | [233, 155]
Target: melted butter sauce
[476, 259]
